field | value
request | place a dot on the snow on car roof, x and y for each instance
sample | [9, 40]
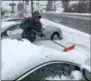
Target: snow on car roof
[8, 24]
[20, 56]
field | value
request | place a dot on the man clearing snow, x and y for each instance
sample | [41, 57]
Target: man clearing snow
[32, 26]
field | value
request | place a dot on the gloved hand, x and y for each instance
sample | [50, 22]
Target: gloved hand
[41, 35]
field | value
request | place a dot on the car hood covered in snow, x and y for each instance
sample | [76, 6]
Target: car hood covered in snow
[20, 56]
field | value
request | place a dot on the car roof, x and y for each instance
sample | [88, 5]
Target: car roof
[21, 56]
[8, 24]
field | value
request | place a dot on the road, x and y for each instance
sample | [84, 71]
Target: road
[81, 23]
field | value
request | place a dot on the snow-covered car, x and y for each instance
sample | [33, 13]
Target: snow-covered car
[24, 61]
[14, 30]
[13, 19]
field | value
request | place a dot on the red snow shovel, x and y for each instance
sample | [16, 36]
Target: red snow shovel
[65, 48]
[69, 48]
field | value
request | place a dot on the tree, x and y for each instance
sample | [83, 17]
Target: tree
[2, 11]
[49, 5]
[65, 5]
[81, 7]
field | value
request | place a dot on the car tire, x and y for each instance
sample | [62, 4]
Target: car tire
[85, 75]
[55, 36]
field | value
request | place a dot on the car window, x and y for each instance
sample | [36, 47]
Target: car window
[14, 30]
[13, 27]
[52, 71]
[10, 29]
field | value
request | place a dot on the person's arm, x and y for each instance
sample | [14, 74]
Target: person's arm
[37, 28]
[41, 31]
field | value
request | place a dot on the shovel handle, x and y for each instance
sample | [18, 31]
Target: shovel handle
[38, 33]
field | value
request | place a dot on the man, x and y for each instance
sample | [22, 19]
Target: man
[32, 27]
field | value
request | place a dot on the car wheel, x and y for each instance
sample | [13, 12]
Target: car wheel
[55, 36]
[87, 75]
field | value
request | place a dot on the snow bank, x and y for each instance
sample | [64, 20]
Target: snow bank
[79, 14]
[20, 56]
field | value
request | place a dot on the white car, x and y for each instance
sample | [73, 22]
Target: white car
[13, 30]
[21, 60]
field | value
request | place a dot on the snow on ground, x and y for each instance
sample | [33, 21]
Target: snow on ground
[70, 36]
[75, 14]
[79, 14]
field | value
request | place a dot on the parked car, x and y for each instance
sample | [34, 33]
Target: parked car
[24, 61]
[13, 19]
[15, 31]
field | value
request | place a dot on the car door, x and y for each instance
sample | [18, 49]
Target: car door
[14, 32]
[45, 32]
[53, 71]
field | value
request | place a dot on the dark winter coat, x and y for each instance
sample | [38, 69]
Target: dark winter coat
[28, 25]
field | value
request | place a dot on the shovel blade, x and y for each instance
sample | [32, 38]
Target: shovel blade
[69, 48]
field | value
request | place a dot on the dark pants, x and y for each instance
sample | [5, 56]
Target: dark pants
[28, 34]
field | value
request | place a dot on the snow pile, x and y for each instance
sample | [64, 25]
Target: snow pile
[76, 75]
[77, 14]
